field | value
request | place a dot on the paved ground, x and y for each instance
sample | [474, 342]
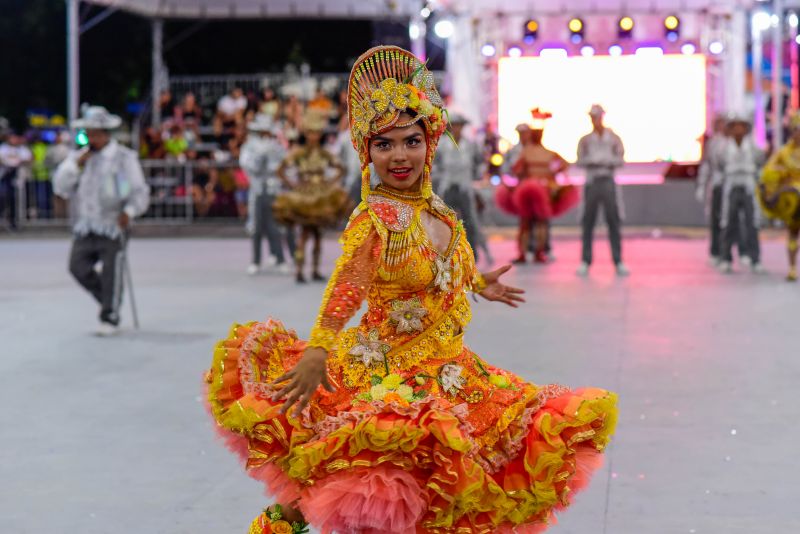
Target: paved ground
[109, 435]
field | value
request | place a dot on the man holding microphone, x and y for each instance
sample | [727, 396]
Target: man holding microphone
[106, 185]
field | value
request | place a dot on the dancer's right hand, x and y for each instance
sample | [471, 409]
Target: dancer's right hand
[303, 380]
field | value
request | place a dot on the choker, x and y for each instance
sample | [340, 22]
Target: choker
[413, 196]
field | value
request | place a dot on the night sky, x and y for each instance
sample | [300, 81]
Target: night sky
[115, 55]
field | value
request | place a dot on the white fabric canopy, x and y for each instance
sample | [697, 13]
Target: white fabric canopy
[233, 9]
[377, 9]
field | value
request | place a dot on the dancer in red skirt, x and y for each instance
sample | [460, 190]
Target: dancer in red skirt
[538, 197]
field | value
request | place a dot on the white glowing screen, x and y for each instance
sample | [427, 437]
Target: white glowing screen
[656, 104]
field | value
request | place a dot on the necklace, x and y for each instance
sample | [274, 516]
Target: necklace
[414, 196]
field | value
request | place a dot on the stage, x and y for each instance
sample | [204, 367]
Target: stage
[110, 435]
[650, 200]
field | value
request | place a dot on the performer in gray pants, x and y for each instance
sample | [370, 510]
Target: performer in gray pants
[741, 165]
[454, 170]
[710, 178]
[106, 184]
[260, 156]
[600, 153]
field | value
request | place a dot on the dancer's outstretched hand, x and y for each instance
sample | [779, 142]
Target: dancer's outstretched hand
[303, 380]
[498, 292]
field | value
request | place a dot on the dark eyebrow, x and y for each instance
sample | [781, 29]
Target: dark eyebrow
[381, 139]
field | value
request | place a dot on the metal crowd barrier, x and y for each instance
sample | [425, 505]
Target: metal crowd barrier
[178, 195]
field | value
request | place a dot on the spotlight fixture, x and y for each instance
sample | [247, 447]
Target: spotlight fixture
[688, 49]
[414, 30]
[531, 31]
[576, 27]
[672, 28]
[587, 51]
[514, 51]
[444, 29]
[716, 47]
[625, 30]
[488, 50]
[761, 21]
[615, 50]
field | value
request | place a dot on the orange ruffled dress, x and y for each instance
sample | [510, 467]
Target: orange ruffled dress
[421, 434]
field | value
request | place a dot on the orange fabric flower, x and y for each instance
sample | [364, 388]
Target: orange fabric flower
[281, 527]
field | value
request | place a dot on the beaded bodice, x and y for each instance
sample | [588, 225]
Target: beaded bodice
[416, 294]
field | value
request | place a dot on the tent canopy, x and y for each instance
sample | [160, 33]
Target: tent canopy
[378, 9]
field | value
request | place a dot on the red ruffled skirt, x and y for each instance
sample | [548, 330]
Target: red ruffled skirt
[535, 199]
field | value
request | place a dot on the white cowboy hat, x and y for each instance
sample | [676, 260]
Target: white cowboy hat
[263, 123]
[97, 118]
[740, 117]
[597, 111]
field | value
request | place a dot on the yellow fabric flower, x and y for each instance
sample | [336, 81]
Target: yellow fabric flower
[390, 94]
[378, 392]
[392, 381]
[499, 381]
[426, 108]
[363, 114]
[406, 392]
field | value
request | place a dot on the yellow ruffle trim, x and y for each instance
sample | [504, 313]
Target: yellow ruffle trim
[427, 440]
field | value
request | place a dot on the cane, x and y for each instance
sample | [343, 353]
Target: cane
[126, 267]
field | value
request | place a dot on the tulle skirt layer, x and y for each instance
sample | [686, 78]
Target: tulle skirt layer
[532, 199]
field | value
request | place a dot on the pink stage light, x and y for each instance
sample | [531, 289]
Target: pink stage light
[656, 104]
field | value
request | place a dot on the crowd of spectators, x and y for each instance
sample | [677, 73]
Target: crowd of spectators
[208, 139]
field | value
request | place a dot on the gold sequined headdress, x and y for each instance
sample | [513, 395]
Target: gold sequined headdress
[386, 81]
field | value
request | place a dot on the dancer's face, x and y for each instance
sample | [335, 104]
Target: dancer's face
[399, 155]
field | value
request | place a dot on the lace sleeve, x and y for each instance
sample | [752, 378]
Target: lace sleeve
[350, 281]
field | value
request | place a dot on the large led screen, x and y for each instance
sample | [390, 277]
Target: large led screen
[656, 103]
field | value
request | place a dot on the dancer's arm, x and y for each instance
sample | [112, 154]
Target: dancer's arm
[347, 288]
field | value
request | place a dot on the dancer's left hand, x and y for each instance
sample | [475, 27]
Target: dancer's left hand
[497, 292]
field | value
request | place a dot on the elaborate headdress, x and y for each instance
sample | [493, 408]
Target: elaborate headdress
[386, 81]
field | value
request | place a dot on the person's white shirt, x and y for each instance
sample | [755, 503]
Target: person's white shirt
[14, 156]
[228, 105]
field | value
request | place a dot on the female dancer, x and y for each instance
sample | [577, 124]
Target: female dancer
[538, 197]
[395, 426]
[779, 191]
[316, 199]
